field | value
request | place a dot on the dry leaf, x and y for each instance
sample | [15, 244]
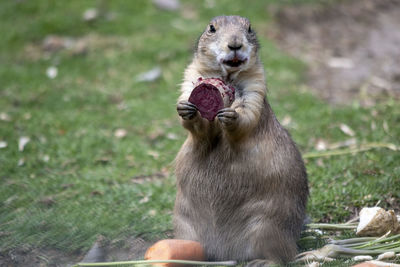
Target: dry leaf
[385, 126]
[120, 133]
[169, 5]
[131, 160]
[373, 125]
[27, 116]
[156, 133]
[66, 186]
[4, 117]
[189, 12]
[321, 145]
[79, 47]
[209, 4]
[54, 43]
[21, 162]
[149, 76]
[102, 160]
[47, 201]
[96, 193]
[90, 14]
[52, 72]
[144, 200]
[22, 142]
[46, 158]
[10, 200]
[345, 143]
[153, 153]
[122, 106]
[140, 179]
[42, 139]
[381, 83]
[152, 212]
[3, 144]
[346, 129]
[165, 171]
[320, 163]
[286, 120]
[62, 132]
[340, 63]
[172, 136]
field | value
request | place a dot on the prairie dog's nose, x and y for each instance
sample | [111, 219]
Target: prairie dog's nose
[235, 43]
[234, 47]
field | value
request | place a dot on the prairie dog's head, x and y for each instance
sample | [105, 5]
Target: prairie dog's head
[228, 44]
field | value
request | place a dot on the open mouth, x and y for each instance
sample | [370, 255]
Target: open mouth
[234, 62]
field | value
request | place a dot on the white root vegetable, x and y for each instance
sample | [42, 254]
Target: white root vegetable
[326, 253]
[380, 231]
[386, 255]
[361, 246]
[376, 222]
[362, 258]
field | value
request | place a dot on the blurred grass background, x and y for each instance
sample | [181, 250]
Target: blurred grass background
[102, 144]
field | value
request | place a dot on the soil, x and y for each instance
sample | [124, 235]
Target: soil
[352, 49]
[101, 251]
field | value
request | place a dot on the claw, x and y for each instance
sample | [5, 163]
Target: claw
[186, 110]
[227, 113]
[185, 105]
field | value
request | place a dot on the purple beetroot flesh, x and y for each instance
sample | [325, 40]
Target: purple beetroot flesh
[207, 99]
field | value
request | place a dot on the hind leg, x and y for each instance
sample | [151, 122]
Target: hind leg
[272, 245]
[183, 223]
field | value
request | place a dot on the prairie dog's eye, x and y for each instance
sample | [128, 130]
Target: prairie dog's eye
[212, 29]
[250, 30]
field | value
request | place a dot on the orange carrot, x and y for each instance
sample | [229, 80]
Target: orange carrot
[175, 249]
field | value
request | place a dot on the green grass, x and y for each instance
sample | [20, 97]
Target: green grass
[88, 186]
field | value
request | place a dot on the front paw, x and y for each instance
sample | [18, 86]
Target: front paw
[186, 110]
[228, 117]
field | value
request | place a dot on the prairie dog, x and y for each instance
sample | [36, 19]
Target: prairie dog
[241, 182]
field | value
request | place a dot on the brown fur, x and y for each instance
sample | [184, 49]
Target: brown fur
[241, 182]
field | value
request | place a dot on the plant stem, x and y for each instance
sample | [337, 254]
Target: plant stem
[149, 262]
[353, 241]
[387, 246]
[361, 148]
[379, 240]
[328, 226]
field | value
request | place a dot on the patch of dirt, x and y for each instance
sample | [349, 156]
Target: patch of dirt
[131, 249]
[79, 46]
[352, 48]
[36, 257]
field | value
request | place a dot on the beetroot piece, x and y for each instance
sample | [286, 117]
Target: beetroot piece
[208, 100]
[210, 95]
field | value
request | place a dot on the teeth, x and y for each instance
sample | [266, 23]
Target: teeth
[234, 62]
